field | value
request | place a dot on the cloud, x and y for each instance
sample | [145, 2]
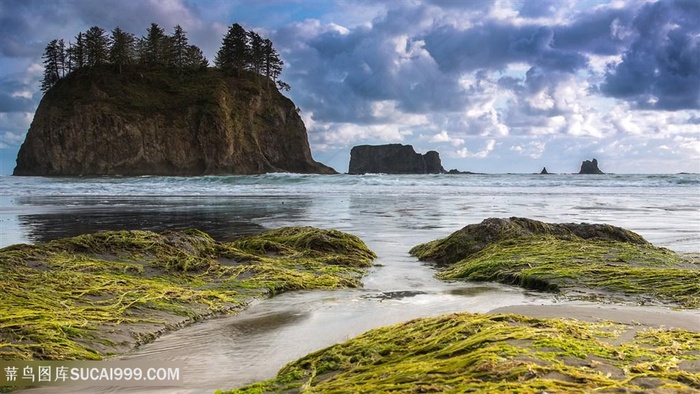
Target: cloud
[444, 137]
[484, 152]
[660, 69]
[532, 149]
[14, 126]
[545, 80]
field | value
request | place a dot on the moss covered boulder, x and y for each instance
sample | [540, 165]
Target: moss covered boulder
[461, 353]
[586, 261]
[99, 294]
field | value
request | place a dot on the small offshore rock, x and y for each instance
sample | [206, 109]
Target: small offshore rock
[590, 167]
[393, 159]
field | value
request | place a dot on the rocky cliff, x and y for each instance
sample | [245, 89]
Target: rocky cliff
[590, 167]
[393, 159]
[164, 122]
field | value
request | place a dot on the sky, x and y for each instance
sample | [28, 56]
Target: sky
[494, 86]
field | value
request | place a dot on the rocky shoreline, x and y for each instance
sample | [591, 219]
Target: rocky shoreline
[100, 295]
[579, 261]
[609, 348]
[465, 352]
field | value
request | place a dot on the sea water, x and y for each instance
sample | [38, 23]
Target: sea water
[665, 209]
[391, 213]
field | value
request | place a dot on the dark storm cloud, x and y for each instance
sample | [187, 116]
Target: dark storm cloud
[495, 45]
[599, 32]
[339, 73]
[661, 67]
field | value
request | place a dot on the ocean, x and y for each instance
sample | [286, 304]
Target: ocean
[665, 209]
[391, 213]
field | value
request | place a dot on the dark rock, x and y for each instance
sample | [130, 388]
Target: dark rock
[590, 167]
[99, 121]
[393, 159]
[475, 237]
[544, 171]
[458, 172]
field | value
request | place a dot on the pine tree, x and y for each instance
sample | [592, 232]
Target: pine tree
[234, 51]
[96, 46]
[122, 51]
[152, 47]
[257, 52]
[52, 64]
[194, 58]
[180, 47]
[76, 53]
[273, 64]
[62, 60]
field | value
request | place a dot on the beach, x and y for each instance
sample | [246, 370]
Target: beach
[391, 214]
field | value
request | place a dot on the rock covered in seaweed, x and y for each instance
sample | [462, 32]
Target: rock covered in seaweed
[475, 237]
[95, 294]
[467, 353]
[579, 260]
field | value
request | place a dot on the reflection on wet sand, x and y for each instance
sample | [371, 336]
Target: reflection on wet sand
[222, 218]
[261, 325]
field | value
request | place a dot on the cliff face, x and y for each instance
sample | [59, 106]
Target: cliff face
[393, 159]
[101, 122]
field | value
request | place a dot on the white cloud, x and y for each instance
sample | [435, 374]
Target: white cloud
[484, 152]
[444, 137]
[532, 150]
[692, 144]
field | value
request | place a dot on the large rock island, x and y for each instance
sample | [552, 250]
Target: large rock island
[393, 159]
[100, 121]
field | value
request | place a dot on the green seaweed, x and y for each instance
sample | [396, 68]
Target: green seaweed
[59, 298]
[464, 352]
[609, 263]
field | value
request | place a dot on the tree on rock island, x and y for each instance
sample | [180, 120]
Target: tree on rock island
[243, 50]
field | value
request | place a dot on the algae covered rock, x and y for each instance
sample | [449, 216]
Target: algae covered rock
[98, 294]
[597, 260]
[461, 353]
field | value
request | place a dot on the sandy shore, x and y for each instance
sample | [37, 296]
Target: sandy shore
[631, 315]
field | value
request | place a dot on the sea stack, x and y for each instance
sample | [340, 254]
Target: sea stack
[393, 159]
[100, 121]
[544, 171]
[590, 167]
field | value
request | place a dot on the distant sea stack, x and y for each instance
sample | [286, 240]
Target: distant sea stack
[590, 167]
[99, 121]
[393, 159]
[544, 171]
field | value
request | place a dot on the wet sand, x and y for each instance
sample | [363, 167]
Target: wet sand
[643, 317]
